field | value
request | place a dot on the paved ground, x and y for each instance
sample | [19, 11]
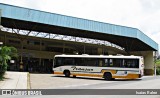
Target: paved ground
[60, 82]
[50, 81]
[14, 80]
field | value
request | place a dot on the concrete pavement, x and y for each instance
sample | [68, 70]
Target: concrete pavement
[15, 80]
[51, 81]
[60, 82]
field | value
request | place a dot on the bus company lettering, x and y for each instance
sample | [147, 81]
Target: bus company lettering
[81, 69]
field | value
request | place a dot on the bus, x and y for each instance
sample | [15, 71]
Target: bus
[108, 67]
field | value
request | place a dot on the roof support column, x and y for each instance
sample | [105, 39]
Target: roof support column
[0, 15]
[40, 48]
[148, 61]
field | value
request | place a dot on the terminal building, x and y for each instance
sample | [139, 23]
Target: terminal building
[39, 35]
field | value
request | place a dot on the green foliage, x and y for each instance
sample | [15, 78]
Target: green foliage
[6, 53]
[158, 62]
[158, 70]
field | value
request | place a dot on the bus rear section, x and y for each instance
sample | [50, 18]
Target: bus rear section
[107, 67]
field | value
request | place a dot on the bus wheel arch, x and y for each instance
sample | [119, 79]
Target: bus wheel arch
[107, 76]
[66, 73]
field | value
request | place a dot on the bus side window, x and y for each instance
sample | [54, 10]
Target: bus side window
[123, 63]
[79, 61]
[91, 62]
[131, 63]
[69, 61]
[106, 63]
[100, 62]
[111, 62]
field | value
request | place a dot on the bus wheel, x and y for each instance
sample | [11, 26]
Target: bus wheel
[66, 73]
[113, 79]
[74, 76]
[107, 76]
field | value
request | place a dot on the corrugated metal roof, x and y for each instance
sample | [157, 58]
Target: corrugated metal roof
[25, 14]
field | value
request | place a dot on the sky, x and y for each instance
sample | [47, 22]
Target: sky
[141, 14]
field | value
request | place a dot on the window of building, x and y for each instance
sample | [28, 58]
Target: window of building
[14, 41]
[36, 43]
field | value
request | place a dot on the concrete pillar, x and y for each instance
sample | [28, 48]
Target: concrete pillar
[0, 15]
[149, 63]
[40, 48]
[100, 51]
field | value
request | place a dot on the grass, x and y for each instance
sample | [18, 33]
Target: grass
[158, 62]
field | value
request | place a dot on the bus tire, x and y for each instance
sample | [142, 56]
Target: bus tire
[113, 79]
[74, 76]
[66, 73]
[107, 76]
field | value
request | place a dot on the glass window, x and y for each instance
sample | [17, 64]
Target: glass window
[58, 62]
[131, 63]
[79, 61]
[101, 62]
[111, 62]
[69, 61]
[106, 62]
[91, 62]
[117, 62]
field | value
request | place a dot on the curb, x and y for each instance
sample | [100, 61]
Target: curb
[28, 81]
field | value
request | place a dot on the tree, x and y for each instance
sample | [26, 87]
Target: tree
[6, 53]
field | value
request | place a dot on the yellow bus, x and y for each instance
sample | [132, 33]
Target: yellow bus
[106, 66]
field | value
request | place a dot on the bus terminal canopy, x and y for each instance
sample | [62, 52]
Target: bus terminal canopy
[131, 39]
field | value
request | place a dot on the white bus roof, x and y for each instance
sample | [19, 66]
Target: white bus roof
[98, 56]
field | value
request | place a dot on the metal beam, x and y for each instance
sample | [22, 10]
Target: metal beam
[19, 32]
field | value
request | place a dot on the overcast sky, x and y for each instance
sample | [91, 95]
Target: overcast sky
[141, 14]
